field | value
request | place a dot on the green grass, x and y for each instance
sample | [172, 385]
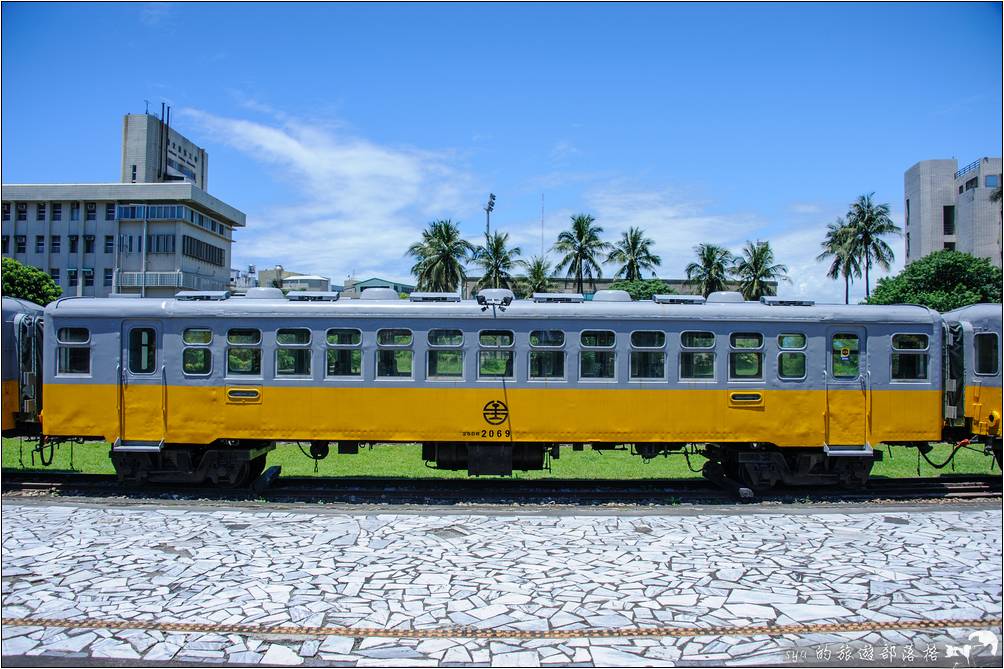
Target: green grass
[406, 461]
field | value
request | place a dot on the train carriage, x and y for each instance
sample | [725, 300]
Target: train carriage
[202, 386]
[22, 358]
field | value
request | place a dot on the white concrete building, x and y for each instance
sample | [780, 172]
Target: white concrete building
[154, 152]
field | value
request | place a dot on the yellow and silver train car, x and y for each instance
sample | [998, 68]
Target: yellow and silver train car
[22, 366]
[202, 386]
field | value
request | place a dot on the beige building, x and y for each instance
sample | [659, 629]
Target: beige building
[154, 152]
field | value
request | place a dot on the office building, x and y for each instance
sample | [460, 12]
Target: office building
[153, 239]
[950, 208]
[154, 152]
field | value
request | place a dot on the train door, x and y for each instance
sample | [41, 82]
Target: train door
[143, 407]
[847, 387]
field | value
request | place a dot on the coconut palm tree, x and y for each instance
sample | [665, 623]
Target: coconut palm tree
[634, 253]
[712, 268]
[870, 222]
[440, 257]
[755, 270]
[844, 263]
[581, 244]
[496, 261]
[537, 278]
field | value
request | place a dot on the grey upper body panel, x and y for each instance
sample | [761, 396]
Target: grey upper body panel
[12, 306]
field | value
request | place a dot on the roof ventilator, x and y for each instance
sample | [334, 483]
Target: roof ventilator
[434, 297]
[312, 296]
[202, 295]
[553, 298]
[611, 296]
[772, 301]
[264, 294]
[379, 294]
[678, 299]
[726, 297]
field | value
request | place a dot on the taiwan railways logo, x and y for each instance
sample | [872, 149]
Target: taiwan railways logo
[495, 412]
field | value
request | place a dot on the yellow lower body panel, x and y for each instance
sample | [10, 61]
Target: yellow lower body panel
[202, 414]
[10, 403]
[983, 406]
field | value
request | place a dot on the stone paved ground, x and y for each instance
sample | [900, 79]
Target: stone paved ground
[510, 572]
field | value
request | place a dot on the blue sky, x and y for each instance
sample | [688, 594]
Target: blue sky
[341, 130]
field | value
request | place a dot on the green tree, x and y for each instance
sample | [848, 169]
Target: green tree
[634, 253]
[496, 261]
[943, 281]
[755, 270]
[581, 244]
[28, 283]
[712, 269]
[869, 223]
[440, 257]
[643, 289]
[838, 245]
[536, 278]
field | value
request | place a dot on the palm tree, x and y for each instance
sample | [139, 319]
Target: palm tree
[837, 245]
[537, 278]
[711, 270]
[581, 244]
[755, 269]
[440, 257]
[635, 255]
[496, 261]
[869, 222]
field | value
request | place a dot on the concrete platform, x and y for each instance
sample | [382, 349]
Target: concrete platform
[518, 590]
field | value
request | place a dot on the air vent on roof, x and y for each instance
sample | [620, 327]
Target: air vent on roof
[434, 297]
[723, 296]
[785, 302]
[264, 294]
[379, 294]
[611, 296]
[557, 297]
[678, 299]
[127, 295]
[312, 296]
[202, 295]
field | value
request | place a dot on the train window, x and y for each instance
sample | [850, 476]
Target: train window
[697, 339]
[694, 365]
[394, 364]
[496, 338]
[142, 350]
[648, 365]
[746, 340]
[73, 335]
[448, 364]
[197, 361]
[547, 364]
[598, 338]
[597, 364]
[546, 338]
[845, 356]
[197, 336]
[910, 366]
[292, 361]
[246, 336]
[394, 337]
[446, 338]
[292, 337]
[791, 365]
[744, 363]
[987, 350]
[244, 361]
[648, 339]
[345, 362]
[791, 341]
[495, 364]
[344, 337]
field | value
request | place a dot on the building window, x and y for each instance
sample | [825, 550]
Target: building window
[74, 243]
[972, 183]
[987, 352]
[54, 273]
[5, 244]
[57, 211]
[88, 243]
[108, 277]
[92, 211]
[22, 211]
[992, 180]
[40, 211]
[445, 357]
[88, 277]
[394, 362]
[134, 174]
[71, 274]
[55, 244]
[244, 352]
[142, 350]
[697, 364]
[791, 359]
[20, 244]
[73, 353]
[949, 246]
[948, 220]
[74, 211]
[200, 250]
[345, 357]
[6, 211]
[39, 243]
[109, 243]
[110, 211]
[746, 358]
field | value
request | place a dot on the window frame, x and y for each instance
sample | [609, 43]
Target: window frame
[547, 379]
[256, 346]
[197, 347]
[439, 378]
[297, 346]
[923, 352]
[497, 347]
[62, 344]
[153, 371]
[380, 347]
[634, 348]
[997, 357]
[834, 334]
[587, 348]
[756, 350]
[358, 346]
[791, 350]
[711, 350]
[552, 347]
[428, 338]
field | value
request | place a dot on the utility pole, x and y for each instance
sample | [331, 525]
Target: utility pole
[488, 215]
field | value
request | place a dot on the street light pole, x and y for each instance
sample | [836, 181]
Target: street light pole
[488, 214]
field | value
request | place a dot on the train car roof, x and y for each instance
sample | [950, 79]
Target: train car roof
[16, 305]
[282, 308]
[983, 315]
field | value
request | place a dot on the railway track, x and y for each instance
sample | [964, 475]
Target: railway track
[493, 491]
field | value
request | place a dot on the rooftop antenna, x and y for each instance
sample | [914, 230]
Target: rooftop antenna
[146, 103]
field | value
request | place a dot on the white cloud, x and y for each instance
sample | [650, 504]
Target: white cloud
[563, 150]
[154, 13]
[805, 208]
[360, 204]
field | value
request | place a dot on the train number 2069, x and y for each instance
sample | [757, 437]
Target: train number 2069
[495, 434]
